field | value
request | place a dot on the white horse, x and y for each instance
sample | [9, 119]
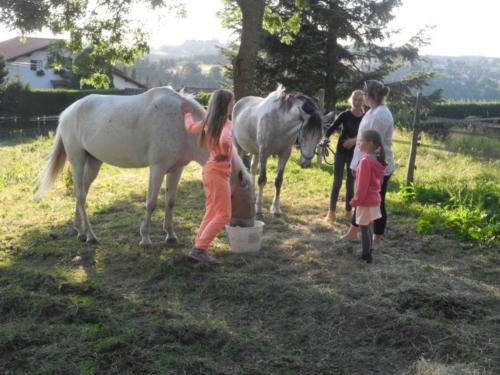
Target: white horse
[271, 126]
[132, 132]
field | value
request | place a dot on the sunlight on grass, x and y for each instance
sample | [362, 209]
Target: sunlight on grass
[300, 302]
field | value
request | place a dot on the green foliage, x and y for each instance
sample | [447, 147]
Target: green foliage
[3, 69]
[13, 96]
[203, 98]
[19, 100]
[473, 213]
[333, 45]
[462, 110]
[106, 27]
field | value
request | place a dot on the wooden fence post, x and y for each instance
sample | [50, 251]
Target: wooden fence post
[321, 103]
[414, 141]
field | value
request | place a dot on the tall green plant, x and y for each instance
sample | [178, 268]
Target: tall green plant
[102, 26]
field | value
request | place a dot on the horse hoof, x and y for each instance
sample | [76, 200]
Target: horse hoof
[92, 241]
[259, 216]
[81, 237]
[145, 243]
[277, 214]
[171, 240]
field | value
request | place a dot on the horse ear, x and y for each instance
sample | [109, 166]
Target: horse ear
[304, 114]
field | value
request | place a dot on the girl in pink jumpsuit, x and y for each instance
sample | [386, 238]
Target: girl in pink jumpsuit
[215, 133]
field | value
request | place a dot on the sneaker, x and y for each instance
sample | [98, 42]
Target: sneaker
[201, 256]
[377, 241]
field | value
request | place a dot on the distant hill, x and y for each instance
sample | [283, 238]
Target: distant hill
[190, 49]
[461, 78]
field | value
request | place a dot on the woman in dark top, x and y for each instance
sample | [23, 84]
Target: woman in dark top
[348, 123]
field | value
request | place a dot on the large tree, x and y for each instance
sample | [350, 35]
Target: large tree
[331, 44]
[251, 14]
[3, 69]
[101, 26]
[249, 18]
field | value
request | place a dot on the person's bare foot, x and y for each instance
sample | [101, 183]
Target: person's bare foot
[351, 235]
[376, 240]
[330, 216]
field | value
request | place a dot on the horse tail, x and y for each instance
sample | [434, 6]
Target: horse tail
[57, 159]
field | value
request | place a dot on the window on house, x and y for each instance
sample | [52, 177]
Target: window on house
[35, 64]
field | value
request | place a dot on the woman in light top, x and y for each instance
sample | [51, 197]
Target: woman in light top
[378, 118]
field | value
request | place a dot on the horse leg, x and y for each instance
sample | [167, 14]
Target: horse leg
[82, 224]
[91, 170]
[156, 174]
[254, 168]
[92, 166]
[262, 182]
[275, 207]
[172, 184]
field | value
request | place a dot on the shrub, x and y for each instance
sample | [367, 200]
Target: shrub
[19, 100]
[13, 96]
[203, 98]
[471, 213]
[462, 110]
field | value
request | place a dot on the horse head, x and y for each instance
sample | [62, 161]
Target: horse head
[242, 195]
[310, 130]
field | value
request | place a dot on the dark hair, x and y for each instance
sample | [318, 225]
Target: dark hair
[215, 118]
[373, 137]
[376, 90]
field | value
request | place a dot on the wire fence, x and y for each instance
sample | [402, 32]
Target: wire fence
[19, 126]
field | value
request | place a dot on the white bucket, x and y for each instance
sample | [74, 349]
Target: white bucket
[245, 239]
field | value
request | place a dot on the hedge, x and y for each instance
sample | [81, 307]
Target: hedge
[47, 102]
[462, 110]
[30, 103]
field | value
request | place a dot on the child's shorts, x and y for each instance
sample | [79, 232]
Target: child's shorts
[365, 215]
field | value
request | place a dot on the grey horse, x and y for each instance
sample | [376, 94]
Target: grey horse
[132, 132]
[271, 126]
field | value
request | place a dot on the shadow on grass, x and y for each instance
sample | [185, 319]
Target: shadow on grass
[302, 305]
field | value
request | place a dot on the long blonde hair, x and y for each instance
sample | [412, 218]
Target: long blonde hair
[216, 117]
[353, 94]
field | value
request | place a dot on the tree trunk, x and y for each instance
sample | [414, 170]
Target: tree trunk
[332, 61]
[245, 62]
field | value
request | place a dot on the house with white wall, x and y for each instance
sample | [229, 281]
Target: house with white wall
[27, 61]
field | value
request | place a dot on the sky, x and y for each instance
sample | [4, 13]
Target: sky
[461, 27]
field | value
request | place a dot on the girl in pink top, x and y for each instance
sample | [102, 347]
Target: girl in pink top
[369, 178]
[215, 133]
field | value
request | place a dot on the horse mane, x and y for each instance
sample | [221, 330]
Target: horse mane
[289, 99]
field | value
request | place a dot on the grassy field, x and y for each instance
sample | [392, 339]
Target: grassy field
[429, 304]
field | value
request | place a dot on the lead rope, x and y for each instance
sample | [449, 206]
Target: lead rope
[326, 150]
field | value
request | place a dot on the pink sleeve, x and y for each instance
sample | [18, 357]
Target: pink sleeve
[192, 127]
[362, 183]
